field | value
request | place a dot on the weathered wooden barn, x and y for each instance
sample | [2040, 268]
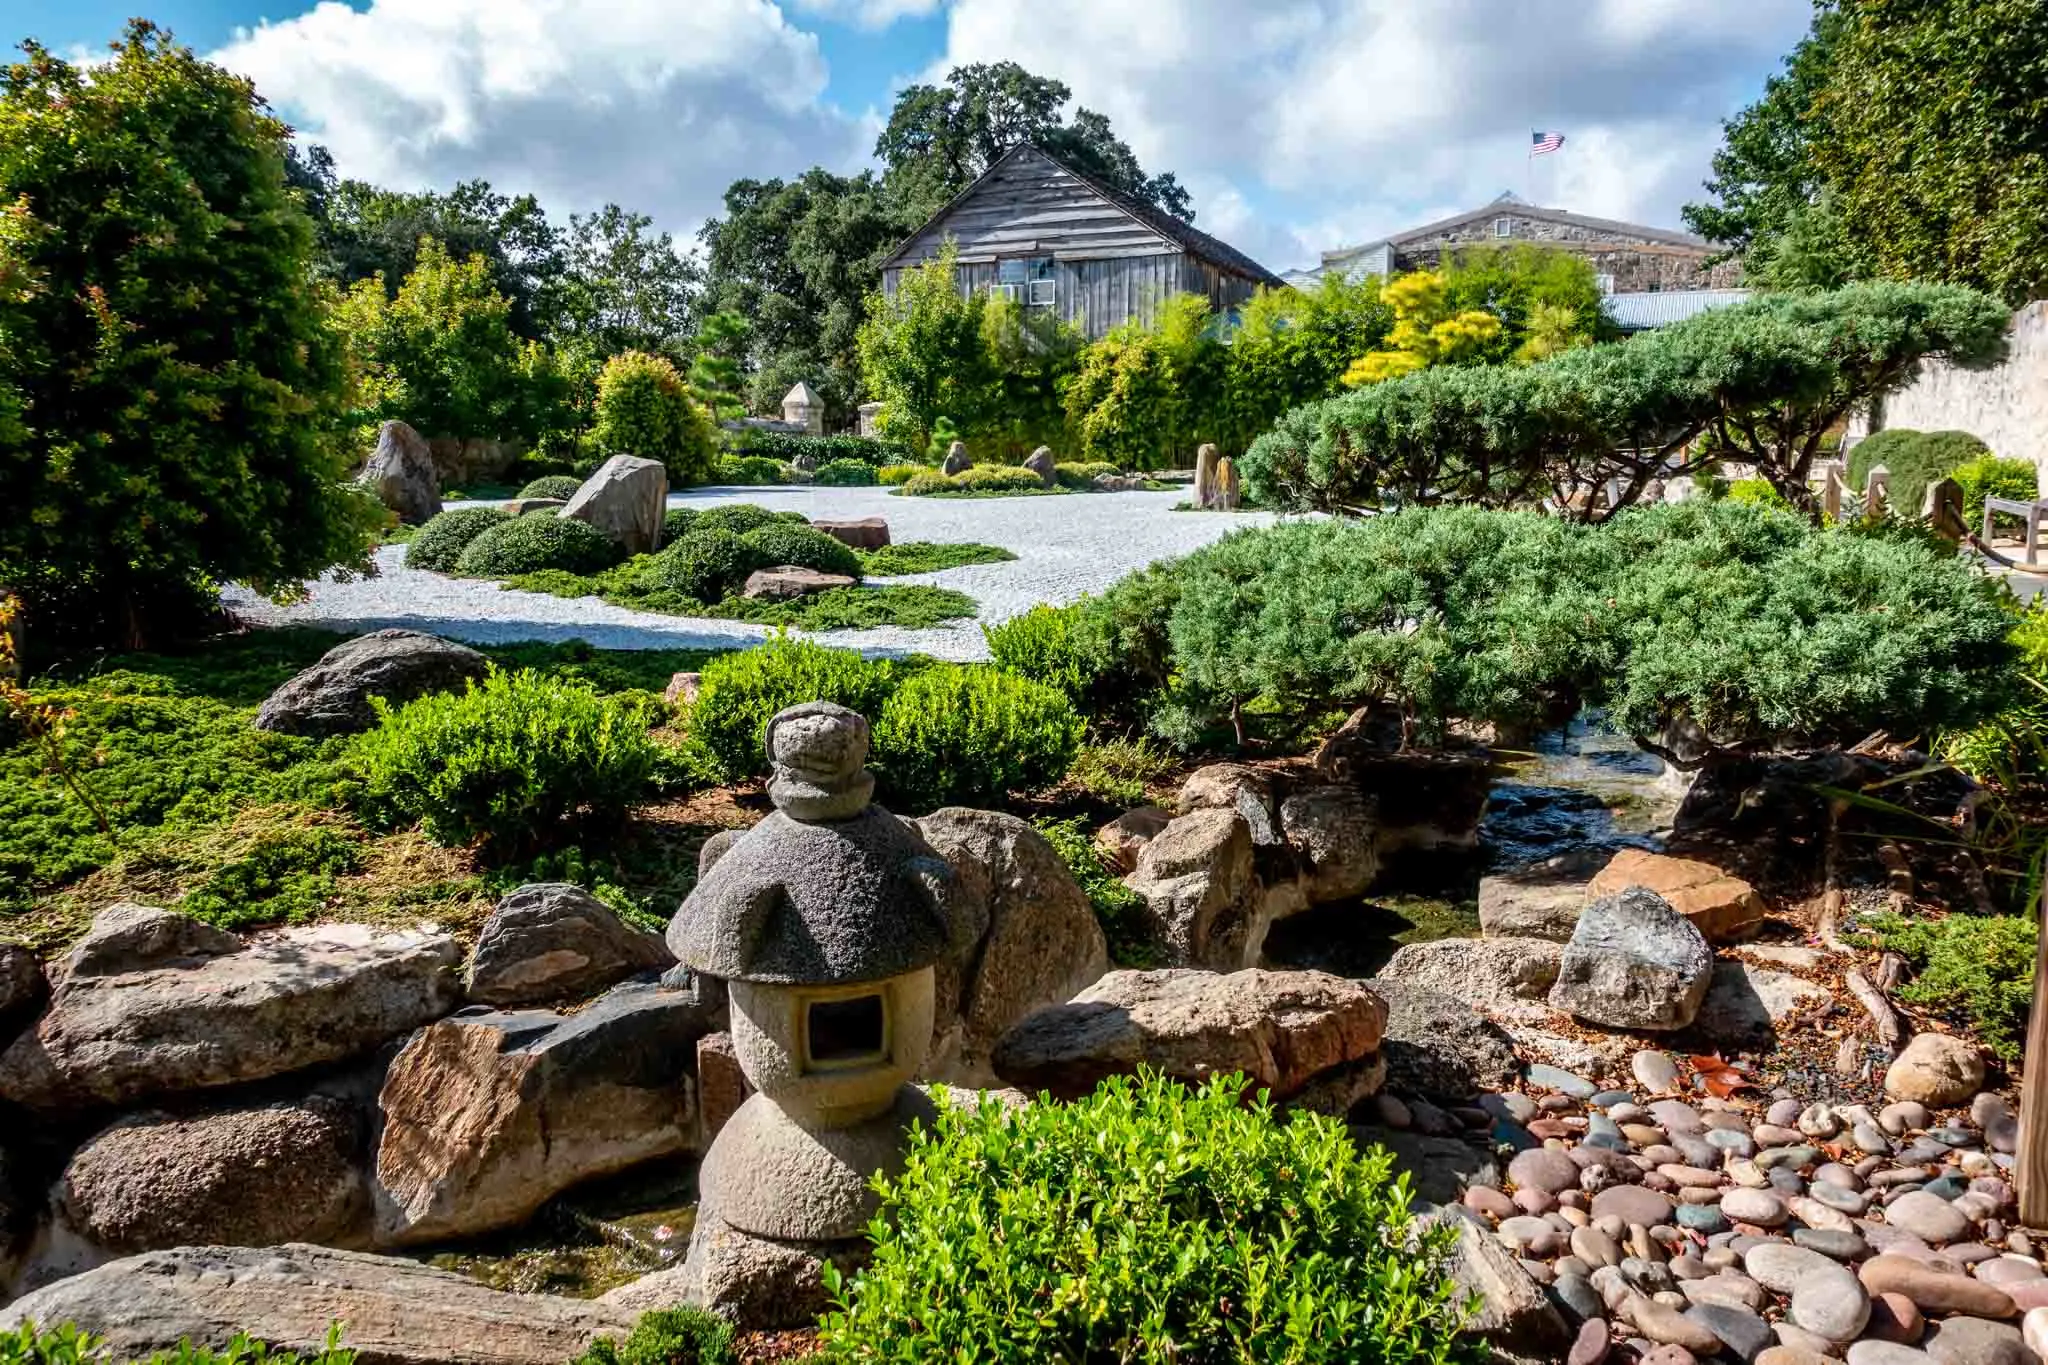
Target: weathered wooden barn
[1054, 239]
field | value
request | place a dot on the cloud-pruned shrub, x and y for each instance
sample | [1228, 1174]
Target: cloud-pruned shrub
[560, 486]
[803, 546]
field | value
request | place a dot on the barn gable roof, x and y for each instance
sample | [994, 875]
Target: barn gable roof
[1170, 231]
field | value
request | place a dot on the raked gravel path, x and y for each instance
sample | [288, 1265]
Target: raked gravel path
[1065, 546]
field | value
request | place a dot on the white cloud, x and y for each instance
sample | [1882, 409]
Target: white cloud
[1381, 114]
[869, 13]
[653, 104]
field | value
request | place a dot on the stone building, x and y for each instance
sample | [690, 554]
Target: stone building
[1628, 258]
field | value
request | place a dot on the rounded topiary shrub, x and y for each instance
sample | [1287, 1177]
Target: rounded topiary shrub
[706, 564]
[1150, 1223]
[531, 544]
[969, 734]
[740, 691]
[515, 762]
[845, 474]
[736, 517]
[803, 546]
[676, 523]
[1913, 459]
[644, 408]
[927, 483]
[561, 486]
[443, 539]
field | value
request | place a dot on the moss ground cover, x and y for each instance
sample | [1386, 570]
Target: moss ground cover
[924, 556]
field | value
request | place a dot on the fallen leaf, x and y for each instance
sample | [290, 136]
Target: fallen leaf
[1721, 1078]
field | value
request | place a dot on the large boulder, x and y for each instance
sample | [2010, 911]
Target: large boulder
[489, 1115]
[784, 582]
[1634, 962]
[1281, 1029]
[1724, 908]
[859, 533]
[126, 937]
[1333, 829]
[1538, 900]
[1201, 891]
[957, 459]
[236, 1177]
[626, 499]
[23, 990]
[1251, 792]
[1439, 1046]
[1042, 946]
[1040, 462]
[1492, 973]
[333, 696]
[391, 1311]
[401, 473]
[300, 998]
[553, 941]
[1935, 1070]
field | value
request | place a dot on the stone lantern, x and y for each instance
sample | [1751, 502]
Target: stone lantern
[826, 921]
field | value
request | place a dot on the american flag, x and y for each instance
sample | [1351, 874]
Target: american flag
[1540, 143]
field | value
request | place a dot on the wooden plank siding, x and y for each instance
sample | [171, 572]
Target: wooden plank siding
[1108, 267]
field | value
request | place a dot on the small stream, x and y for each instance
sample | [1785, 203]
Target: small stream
[1580, 787]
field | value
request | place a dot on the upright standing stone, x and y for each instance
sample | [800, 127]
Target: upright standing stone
[1041, 463]
[626, 499]
[956, 459]
[401, 473]
[1205, 476]
[1228, 491]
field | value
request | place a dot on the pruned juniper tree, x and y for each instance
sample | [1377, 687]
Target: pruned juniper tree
[1763, 383]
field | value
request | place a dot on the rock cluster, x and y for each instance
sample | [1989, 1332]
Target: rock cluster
[1680, 1227]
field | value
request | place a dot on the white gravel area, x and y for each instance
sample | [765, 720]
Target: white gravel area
[1065, 546]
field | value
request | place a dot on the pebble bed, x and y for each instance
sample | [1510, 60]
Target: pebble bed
[1065, 547]
[1670, 1228]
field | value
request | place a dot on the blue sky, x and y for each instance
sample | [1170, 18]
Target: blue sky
[1297, 124]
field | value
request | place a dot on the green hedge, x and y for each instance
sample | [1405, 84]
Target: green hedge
[508, 762]
[1083, 474]
[845, 474]
[787, 447]
[1913, 459]
[751, 469]
[1991, 477]
[440, 543]
[1148, 1223]
[531, 544]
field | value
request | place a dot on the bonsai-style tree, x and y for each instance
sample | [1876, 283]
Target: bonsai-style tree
[170, 389]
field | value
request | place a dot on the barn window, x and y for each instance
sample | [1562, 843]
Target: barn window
[1026, 280]
[1503, 227]
[1606, 283]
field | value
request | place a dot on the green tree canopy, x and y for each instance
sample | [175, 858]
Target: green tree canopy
[940, 138]
[621, 287]
[1292, 346]
[926, 354]
[170, 390]
[442, 355]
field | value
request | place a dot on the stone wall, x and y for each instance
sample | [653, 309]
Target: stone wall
[2006, 407]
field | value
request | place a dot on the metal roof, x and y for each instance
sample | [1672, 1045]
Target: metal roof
[1640, 312]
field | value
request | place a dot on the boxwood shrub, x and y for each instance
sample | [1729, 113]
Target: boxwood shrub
[514, 763]
[1913, 459]
[563, 486]
[969, 735]
[788, 446]
[443, 539]
[845, 474]
[752, 469]
[999, 478]
[676, 523]
[804, 546]
[1082, 474]
[740, 692]
[531, 544]
[736, 517]
[926, 483]
[705, 564]
[1149, 1223]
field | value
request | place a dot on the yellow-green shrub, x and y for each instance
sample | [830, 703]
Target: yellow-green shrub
[644, 408]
